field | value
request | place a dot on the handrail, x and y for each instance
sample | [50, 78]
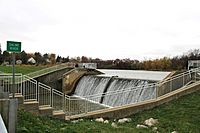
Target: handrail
[6, 74]
[180, 74]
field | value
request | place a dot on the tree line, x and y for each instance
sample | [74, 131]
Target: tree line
[37, 56]
[164, 64]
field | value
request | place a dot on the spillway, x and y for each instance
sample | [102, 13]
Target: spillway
[127, 91]
[91, 85]
[108, 89]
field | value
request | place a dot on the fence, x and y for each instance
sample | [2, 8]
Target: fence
[30, 91]
[6, 82]
[177, 81]
[44, 95]
[58, 100]
[71, 105]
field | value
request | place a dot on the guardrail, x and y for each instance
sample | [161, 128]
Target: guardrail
[72, 105]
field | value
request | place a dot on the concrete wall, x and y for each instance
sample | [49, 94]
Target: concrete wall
[127, 110]
[53, 79]
[8, 111]
[71, 78]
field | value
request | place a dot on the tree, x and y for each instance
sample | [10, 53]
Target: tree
[1, 56]
[65, 60]
[46, 56]
[0, 49]
[6, 56]
[24, 57]
[38, 57]
[194, 54]
[53, 58]
[84, 59]
[58, 58]
[78, 59]
[45, 59]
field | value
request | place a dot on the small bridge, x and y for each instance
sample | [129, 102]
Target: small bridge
[52, 76]
[40, 98]
[48, 70]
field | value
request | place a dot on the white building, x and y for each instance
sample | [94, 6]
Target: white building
[31, 60]
[88, 65]
[193, 64]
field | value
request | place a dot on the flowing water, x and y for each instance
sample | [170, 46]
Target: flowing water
[131, 91]
[91, 85]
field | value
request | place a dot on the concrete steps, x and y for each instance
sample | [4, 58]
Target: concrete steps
[46, 110]
[59, 114]
[4, 95]
[31, 106]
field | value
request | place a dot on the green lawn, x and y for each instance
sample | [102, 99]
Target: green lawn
[182, 115]
[24, 69]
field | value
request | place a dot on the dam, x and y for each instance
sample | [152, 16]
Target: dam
[134, 86]
[98, 93]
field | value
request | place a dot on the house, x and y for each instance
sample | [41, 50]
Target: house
[31, 60]
[88, 65]
[193, 64]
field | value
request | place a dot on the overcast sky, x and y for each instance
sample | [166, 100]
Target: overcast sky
[107, 29]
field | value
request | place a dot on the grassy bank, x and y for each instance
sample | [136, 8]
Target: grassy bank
[182, 115]
[24, 69]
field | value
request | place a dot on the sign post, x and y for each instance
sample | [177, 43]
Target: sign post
[13, 47]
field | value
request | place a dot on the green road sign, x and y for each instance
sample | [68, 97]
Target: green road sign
[13, 46]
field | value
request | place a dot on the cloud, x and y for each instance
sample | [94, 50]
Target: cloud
[106, 29]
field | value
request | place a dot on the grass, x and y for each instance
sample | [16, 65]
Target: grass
[24, 69]
[182, 115]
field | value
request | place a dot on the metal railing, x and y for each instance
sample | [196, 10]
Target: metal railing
[30, 91]
[7, 84]
[44, 95]
[177, 81]
[78, 105]
[73, 105]
[58, 100]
